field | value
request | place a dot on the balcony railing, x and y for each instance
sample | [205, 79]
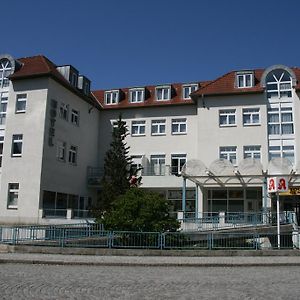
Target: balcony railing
[65, 213]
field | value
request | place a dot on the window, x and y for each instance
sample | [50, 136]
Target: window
[64, 111]
[163, 93]
[158, 127]
[279, 84]
[1, 149]
[75, 117]
[251, 116]
[17, 143]
[227, 117]
[5, 71]
[3, 107]
[73, 155]
[13, 195]
[138, 128]
[282, 148]
[177, 162]
[188, 89]
[244, 80]
[158, 164]
[137, 95]
[179, 126]
[228, 153]
[111, 97]
[252, 151]
[21, 103]
[61, 151]
[280, 119]
[136, 162]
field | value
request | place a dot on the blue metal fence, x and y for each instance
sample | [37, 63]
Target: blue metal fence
[93, 235]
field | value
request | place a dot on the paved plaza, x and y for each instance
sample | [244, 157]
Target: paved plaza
[33, 281]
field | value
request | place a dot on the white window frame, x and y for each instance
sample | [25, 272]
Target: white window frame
[229, 153]
[20, 100]
[282, 148]
[181, 158]
[64, 111]
[75, 117]
[282, 88]
[61, 151]
[165, 93]
[72, 155]
[3, 104]
[244, 83]
[158, 164]
[251, 113]
[17, 139]
[179, 126]
[280, 109]
[227, 115]
[136, 95]
[5, 71]
[252, 151]
[13, 190]
[138, 128]
[158, 127]
[136, 161]
[112, 97]
[190, 88]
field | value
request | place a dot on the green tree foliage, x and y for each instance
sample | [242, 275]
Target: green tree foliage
[118, 172]
[140, 210]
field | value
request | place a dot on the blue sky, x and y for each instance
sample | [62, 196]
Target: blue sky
[119, 43]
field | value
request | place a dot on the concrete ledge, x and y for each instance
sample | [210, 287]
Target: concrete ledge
[146, 252]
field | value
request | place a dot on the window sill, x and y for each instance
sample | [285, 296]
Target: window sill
[227, 125]
[138, 135]
[20, 111]
[251, 124]
[158, 134]
[16, 155]
[12, 207]
[179, 133]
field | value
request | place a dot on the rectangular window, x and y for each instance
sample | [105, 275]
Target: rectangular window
[280, 119]
[17, 143]
[179, 126]
[163, 93]
[1, 149]
[75, 117]
[21, 103]
[138, 128]
[227, 117]
[177, 162]
[244, 80]
[73, 155]
[228, 153]
[3, 107]
[158, 127]
[188, 89]
[112, 97]
[251, 116]
[136, 162]
[158, 164]
[61, 151]
[13, 195]
[252, 151]
[64, 111]
[282, 148]
[137, 95]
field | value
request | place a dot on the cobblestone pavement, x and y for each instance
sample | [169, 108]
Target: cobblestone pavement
[26, 281]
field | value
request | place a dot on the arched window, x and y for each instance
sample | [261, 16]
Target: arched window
[279, 84]
[5, 71]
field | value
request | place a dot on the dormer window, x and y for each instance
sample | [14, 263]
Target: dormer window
[244, 80]
[112, 97]
[5, 71]
[163, 93]
[136, 95]
[187, 89]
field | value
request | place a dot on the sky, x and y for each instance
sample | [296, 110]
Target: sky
[127, 43]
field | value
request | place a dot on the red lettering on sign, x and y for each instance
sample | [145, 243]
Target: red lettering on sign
[271, 184]
[282, 184]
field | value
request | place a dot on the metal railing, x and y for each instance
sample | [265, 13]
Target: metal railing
[93, 235]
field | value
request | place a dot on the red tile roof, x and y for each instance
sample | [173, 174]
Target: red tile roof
[150, 99]
[37, 66]
[225, 85]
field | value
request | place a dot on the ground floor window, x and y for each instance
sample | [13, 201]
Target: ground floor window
[175, 200]
[234, 200]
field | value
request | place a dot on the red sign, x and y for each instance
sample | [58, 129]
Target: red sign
[278, 184]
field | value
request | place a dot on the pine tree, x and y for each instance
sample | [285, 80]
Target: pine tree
[118, 172]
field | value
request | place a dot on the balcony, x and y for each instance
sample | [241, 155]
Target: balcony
[65, 213]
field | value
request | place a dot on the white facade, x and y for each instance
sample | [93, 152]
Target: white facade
[56, 135]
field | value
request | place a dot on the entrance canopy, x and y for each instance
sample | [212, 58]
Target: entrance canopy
[249, 172]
